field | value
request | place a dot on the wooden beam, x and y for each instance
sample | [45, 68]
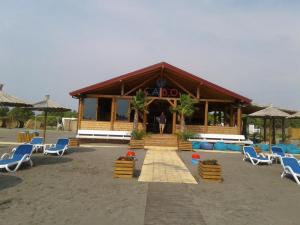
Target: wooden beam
[112, 115]
[171, 103]
[140, 85]
[153, 97]
[180, 86]
[149, 102]
[174, 119]
[206, 117]
[216, 100]
[107, 96]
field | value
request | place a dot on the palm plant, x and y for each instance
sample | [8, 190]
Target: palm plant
[184, 109]
[139, 105]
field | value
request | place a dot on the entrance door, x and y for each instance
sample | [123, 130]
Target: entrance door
[155, 109]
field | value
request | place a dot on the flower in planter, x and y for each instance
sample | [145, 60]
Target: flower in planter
[210, 162]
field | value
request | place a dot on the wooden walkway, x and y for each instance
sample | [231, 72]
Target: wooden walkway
[165, 166]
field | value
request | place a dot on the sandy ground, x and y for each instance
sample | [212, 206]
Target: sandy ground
[79, 189]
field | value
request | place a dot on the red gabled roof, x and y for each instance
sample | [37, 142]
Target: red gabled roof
[158, 67]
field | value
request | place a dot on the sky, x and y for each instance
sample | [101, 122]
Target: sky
[57, 46]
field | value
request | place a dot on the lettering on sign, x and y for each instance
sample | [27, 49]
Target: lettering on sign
[166, 92]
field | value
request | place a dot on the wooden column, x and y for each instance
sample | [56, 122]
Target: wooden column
[174, 119]
[270, 136]
[239, 118]
[113, 112]
[206, 117]
[265, 129]
[231, 117]
[145, 121]
[283, 130]
[273, 132]
[80, 113]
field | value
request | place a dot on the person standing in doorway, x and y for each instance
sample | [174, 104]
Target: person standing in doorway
[162, 122]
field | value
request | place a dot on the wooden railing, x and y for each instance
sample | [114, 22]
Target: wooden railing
[210, 129]
[102, 125]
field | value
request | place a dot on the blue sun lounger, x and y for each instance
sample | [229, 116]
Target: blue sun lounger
[279, 153]
[291, 167]
[59, 148]
[21, 155]
[251, 155]
[37, 143]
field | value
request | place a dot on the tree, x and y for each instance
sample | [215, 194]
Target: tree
[185, 109]
[3, 111]
[138, 104]
[21, 114]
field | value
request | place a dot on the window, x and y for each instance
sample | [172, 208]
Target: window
[90, 108]
[104, 109]
[122, 109]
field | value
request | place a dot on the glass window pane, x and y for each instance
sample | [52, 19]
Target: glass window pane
[90, 108]
[122, 109]
[104, 109]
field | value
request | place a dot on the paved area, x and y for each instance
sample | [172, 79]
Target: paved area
[169, 203]
[165, 166]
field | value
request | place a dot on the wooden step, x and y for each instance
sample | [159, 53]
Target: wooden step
[165, 140]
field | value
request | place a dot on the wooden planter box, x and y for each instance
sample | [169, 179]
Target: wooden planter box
[210, 172]
[124, 168]
[185, 146]
[73, 142]
[137, 144]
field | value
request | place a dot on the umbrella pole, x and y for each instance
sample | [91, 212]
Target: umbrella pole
[45, 126]
[270, 136]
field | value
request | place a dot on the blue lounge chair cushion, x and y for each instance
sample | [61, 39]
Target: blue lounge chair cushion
[294, 151]
[233, 147]
[206, 146]
[220, 146]
[196, 145]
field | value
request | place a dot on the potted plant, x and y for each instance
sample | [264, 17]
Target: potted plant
[124, 167]
[137, 139]
[210, 170]
[183, 141]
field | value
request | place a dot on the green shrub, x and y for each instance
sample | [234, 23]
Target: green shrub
[185, 135]
[138, 135]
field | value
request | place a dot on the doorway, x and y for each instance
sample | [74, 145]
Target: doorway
[155, 109]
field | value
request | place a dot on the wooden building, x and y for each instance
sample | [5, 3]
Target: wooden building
[106, 105]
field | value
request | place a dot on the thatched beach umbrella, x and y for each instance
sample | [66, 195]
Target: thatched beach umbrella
[294, 116]
[47, 105]
[10, 100]
[270, 113]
